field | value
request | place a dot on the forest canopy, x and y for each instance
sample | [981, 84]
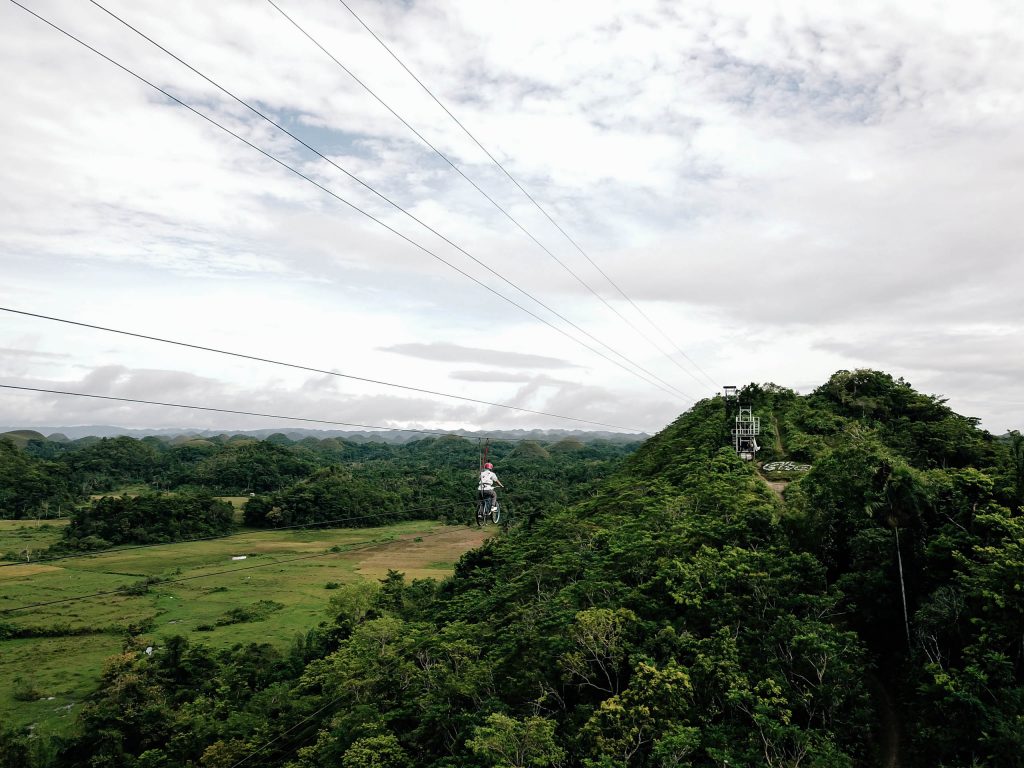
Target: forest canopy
[678, 611]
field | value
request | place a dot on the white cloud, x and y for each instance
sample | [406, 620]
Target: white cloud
[786, 187]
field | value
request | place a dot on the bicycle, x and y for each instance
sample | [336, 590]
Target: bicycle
[488, 508]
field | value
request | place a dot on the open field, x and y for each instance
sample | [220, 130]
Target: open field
[136, 489]
[238, 502]
[23, 538]
[290, 568]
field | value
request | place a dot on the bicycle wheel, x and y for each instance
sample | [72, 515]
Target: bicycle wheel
[496, 514]
[481, 512]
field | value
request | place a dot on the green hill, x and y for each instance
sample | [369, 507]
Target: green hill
[531, 450]
[21, 437]
[680, 614]
[568, 445]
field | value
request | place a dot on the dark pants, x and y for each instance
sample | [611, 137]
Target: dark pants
[488, 494]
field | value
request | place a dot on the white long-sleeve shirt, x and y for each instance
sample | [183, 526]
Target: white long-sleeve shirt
[487, 480]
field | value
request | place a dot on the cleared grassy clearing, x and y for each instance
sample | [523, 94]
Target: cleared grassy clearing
[67, 667]
[16, 536]
[136, 489]
[235, 501]
[62, 670]
[238, 502]
[432, 558]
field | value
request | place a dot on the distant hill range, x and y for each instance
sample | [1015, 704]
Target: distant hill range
[21, 436]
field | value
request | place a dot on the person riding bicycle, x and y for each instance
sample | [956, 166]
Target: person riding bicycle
[485, 490]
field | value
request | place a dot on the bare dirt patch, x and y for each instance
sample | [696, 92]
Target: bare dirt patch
[421, 559]
[778, 487]
[28, 569]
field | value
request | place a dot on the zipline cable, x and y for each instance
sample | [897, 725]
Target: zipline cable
[294, 742]
[531, 198]
[308, 368]
[479, 189]
[280, 736]
[664, 387]
[379, 194]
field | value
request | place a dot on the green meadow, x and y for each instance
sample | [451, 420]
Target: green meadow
[23, 539]
[280, 589]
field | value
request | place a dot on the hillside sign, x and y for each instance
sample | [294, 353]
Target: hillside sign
[785, 466]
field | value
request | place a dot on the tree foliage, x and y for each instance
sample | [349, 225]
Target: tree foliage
[148, 519]
[663, 611]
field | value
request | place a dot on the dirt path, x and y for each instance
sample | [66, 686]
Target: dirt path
[778, 487]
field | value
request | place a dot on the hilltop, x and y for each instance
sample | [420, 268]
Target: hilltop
[676, 612]
[21, 437]
[387, 436]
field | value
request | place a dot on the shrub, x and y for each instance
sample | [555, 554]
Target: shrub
[25, 690]
[255, 612]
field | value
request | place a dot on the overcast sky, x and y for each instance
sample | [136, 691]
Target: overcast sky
[785, 188]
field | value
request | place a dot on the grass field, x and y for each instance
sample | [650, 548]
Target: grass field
[136, 489]
[43, 679]
[24, 538]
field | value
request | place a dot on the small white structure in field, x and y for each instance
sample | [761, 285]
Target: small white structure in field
[239, 557]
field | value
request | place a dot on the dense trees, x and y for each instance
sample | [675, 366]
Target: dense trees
[662, 618]
[915, 514]
[435, 476]
[670, 611]
[331, 495]
[291, 483]
[253, 467]
[107, 463]
[28, 485]
[147, 519]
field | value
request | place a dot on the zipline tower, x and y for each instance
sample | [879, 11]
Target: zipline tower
[746, 426]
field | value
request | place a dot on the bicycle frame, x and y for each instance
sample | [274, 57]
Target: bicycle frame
[486, 507]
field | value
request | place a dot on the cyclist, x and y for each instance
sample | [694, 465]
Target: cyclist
[485, 490]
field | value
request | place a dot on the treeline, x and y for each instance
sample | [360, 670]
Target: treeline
[437, 478]
[335, 496]
[920, 428]
[678, 615]
[916, 516]
[297, 482]
[146, 519]
[45, 472]
[31, 486]
[287, 483]
[662, 621]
